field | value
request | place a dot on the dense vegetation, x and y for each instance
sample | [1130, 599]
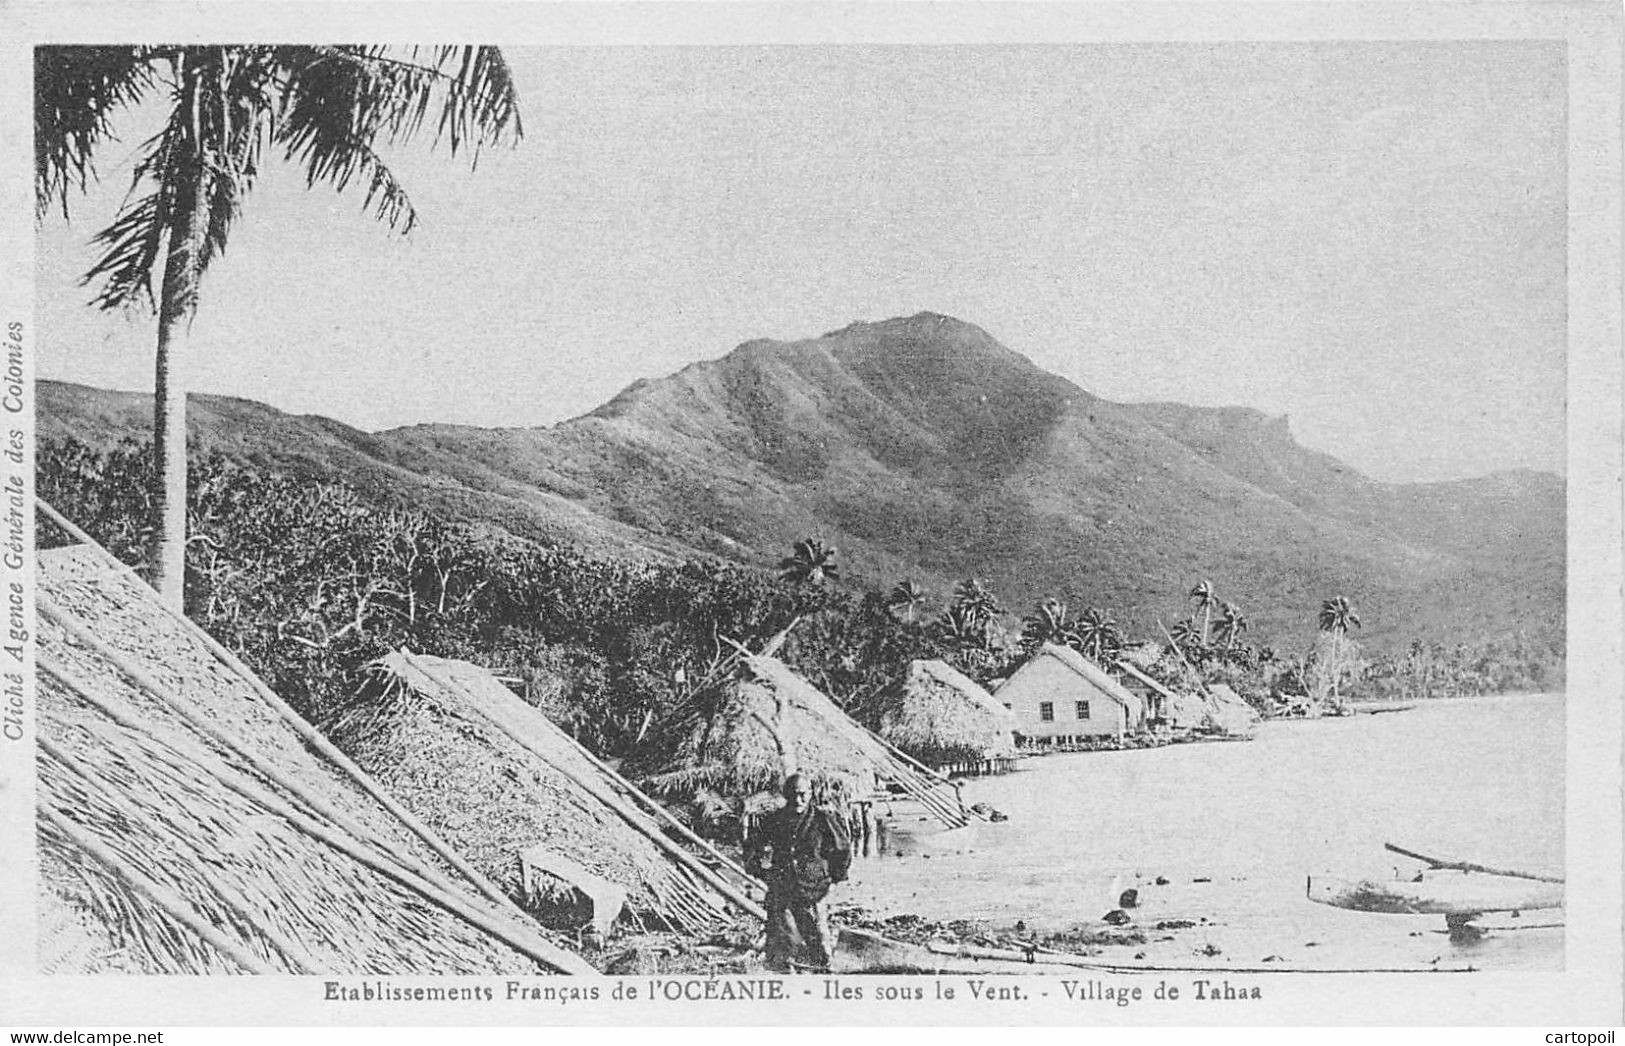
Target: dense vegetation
[310, 582]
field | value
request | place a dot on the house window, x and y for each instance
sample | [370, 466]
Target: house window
[1046, 711]
[1083, 710]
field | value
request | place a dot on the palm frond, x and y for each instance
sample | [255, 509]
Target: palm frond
[76, 91]
[338, 101]
[481, 101]
[134, 242]
[242, 111]
[209, 148]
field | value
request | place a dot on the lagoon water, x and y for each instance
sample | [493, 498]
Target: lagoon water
[1478, 779]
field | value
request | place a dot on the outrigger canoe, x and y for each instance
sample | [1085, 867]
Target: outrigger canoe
[1440, 892]
[1461, 891]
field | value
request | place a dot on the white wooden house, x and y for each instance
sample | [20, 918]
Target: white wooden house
[1059, 696]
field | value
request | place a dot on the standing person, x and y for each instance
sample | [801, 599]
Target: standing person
[811, 850]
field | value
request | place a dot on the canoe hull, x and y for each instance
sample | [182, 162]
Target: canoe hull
[859, 951]
[1437, 893]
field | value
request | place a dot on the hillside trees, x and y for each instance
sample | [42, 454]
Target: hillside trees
[326, 109]
[1334, 658]
[1205, 598]
[1050, 622]
[906, 600]
[309, 582]
[810, 562]
[1231, 626]
[1099, 638]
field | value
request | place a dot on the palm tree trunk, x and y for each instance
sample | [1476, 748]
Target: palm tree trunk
[187, 229]
[169, 449]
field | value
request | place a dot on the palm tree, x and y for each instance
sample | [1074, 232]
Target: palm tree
[960, 625]
[1048, 623]
[1205, 599]
[1337, 614]
[1099, 638]
[1188, 638]
[971, 597]
[906, 600]
[325, 109]
[809, 562]
[1231, 625]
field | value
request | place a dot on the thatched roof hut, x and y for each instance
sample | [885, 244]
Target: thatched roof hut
[189, 822]
[767, 722]
[1229, 712]
[496, 778]
[940, 716]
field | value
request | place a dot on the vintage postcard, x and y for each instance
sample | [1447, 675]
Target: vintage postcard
[811, 514]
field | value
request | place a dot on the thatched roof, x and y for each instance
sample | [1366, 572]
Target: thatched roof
[939, 715]
[768, 722]
[1088, 672]
[1230, 712]
[1181, 709]
[495, 777]
[187, 826]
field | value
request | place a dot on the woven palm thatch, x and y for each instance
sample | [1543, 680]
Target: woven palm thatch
[185, 825]
[769, 722]
[1229, 712]
[495, 777]
[939, 716]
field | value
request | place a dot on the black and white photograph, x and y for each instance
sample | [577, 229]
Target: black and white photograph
[814, 514]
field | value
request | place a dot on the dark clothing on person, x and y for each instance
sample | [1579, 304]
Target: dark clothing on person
[810, 851]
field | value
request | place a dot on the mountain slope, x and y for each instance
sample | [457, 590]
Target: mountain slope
[921, 447]
[320, 448]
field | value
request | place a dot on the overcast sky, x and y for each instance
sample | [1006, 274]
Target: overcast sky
[1368, 238]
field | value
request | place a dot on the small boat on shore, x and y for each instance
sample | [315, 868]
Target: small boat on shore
[1380, 707]
[1461, 891]
[1443, 892]
[862, 951]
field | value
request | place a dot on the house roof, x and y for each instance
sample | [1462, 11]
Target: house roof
[937, 713]
[765, 717]
[1086, 670]
[190, 823]
[495, 777]
[1131, 669]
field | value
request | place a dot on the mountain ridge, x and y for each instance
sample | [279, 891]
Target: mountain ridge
[922, 447]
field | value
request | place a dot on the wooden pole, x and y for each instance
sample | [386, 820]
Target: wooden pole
[651, 804]
[162, 896]
[1468, 866]
[627, 814]
[158, 690]
[308, 734]
[48, 666]
[519, 936]
[295, 955]
[1197, 675]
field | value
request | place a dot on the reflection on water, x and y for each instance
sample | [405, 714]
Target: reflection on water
[1476, 779]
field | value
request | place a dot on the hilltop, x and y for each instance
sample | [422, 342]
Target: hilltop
[923, 448]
